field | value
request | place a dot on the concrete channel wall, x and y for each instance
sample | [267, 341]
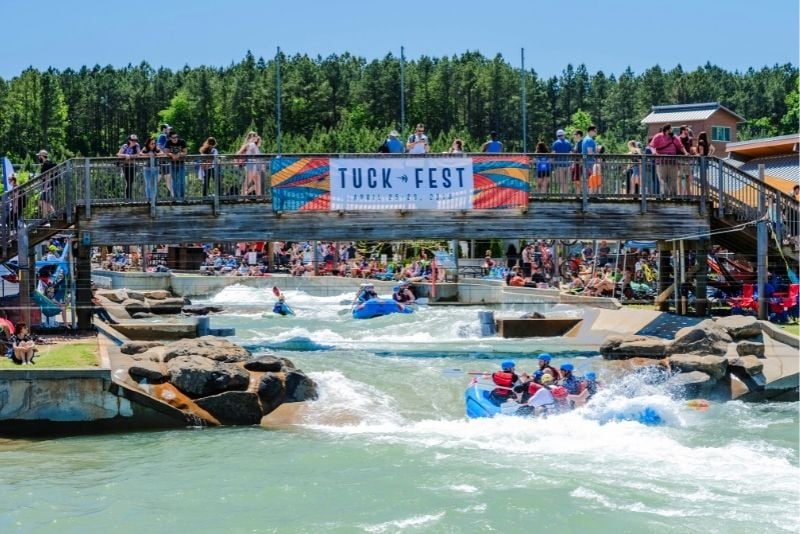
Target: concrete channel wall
[468, 291]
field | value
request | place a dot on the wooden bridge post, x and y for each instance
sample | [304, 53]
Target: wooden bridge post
[83, 284]
[584, 185]
[154, 192]
[26, 274]
[701, 278]
[643, 184]
[720, 190]
[68, 201]
[703, 185]
[761, 247]
[87, 182]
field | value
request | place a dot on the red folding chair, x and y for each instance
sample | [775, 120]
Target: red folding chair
[745, 302]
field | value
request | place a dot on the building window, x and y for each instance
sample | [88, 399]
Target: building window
[720, 133]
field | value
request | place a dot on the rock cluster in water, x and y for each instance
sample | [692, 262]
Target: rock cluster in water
[128, 304]
[702, 357]
[219, 377]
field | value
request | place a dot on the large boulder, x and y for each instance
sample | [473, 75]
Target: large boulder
[157, 294]
[750, 348]
[137, 347]
[740, 326]
[233, 407]
[299, 387]
[134, 306]
[214, 348]
[117, 296]
[135, 295]
[713, 366]
[199, 309]
[704, 338]
[143, 315]
[634, 346]
[154, 354]
[168, 306]
[271, 390]
[152, 371]
[693, 384]
[749, 365]
[265, 364]
[198, 376]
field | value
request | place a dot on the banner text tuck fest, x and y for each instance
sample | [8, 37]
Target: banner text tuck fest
[407, 183]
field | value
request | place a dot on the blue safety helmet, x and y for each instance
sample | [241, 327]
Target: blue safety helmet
[508, 364]
[567, 367]
[545, 356]
[591, 376]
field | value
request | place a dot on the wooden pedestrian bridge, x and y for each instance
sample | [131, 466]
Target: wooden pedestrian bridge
[301, 197]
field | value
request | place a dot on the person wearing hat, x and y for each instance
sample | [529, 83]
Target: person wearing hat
[392, 145]
[366, 292]
[505, 379]
[561, 163]
[545, 367]
[52, 253]
[128, 151]
[569, 380]
[49, 183]
[403, 294]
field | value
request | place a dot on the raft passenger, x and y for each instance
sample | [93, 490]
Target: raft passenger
[544, 365]
[505, 380]
[568, 380]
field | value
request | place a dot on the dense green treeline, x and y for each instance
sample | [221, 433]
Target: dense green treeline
[344, 103]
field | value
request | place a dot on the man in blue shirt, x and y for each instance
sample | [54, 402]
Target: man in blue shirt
[493, 145]
[562, 163]
[393, 144]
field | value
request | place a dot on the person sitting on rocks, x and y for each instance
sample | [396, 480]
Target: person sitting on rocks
[98, 309]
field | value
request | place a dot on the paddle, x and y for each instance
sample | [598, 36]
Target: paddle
[459, 373]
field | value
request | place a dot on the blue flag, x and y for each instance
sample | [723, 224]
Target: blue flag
[8, 170]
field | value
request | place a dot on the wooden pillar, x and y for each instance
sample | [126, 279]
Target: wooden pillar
[701, 278]
[664, 268]
[83, 283]
[454, 247]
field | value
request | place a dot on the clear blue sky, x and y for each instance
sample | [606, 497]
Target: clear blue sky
[608, 36]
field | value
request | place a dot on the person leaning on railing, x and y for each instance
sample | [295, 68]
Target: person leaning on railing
[150, 148]
[129, 150]
[664, 143]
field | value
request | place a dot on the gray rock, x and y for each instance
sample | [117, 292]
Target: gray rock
[117, 296]
[713, 366]
[151, 371]
[740, 326]
[749, 364]
[197, 309]
[634, 346]
[747, 348]
[299, 387]
[135, 295]
[214, 348]
[134, 306]
[168, 306]
[693, 384]
[158, 294]
[233, 407]
[704, 338]
[143, 315]
[137, 347]
[155, 354]
[271, 391]
[199, 377]
[265, 364]
[288, 364]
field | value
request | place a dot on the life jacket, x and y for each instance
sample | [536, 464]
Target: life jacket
[504, 380]
[533, 387]
[560, 394]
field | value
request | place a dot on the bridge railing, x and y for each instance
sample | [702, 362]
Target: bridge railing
[238, 178]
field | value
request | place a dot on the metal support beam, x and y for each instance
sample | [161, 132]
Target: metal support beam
[761, 248]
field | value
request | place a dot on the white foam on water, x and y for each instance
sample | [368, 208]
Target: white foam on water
[416, 522]
[341, 398]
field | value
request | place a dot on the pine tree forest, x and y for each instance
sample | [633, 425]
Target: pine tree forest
[343, 103]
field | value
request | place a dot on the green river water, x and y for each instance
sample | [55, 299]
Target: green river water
[387, 448]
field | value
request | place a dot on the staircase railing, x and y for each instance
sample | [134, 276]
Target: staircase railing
[35, 204]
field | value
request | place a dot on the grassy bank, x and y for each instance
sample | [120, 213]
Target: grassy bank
[62, 355]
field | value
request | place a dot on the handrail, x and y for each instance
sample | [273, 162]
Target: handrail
[102, 181]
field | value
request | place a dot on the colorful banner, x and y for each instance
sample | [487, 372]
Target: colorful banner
[407, 183]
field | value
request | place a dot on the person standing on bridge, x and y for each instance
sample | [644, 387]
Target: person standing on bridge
[664, 143]
[418, 141]
[176, 151]
[48, 184]
[161, 143]
[561, 170]
[493, 145]
[129, 150]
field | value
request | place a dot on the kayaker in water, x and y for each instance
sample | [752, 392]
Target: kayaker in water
[505, 379]
[281, 307]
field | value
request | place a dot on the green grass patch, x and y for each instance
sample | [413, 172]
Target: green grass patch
[793, 329]
[64, 355]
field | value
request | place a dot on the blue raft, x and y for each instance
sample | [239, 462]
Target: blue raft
[377, 307]
[478, 404]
